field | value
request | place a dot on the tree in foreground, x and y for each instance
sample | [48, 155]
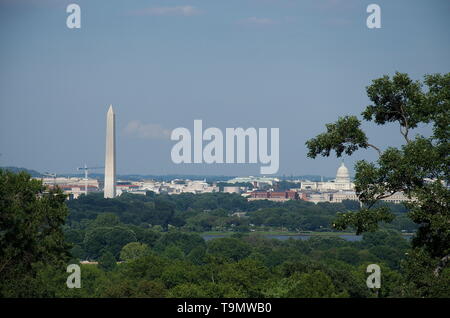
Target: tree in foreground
[31, 235]
[107, 261]
[134, 250]
[419, 169]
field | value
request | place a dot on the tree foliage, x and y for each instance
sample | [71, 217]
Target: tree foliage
[31, 220]
[133, 250]
[419, 168]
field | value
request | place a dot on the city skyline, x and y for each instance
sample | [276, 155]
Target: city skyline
[295, 66]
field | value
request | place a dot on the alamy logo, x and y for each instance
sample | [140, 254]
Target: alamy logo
[74, 19]
[74, 279]
[236, 146]
[374, 19]
[374, 279]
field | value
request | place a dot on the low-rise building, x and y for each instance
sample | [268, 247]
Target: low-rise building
[273, 196]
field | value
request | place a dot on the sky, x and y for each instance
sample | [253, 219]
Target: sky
[288, 64]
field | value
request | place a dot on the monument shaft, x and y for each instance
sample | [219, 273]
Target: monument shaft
[110, 155]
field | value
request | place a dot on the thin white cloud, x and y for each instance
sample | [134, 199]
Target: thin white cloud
[257, 21]
[146, 131]
[185, 11]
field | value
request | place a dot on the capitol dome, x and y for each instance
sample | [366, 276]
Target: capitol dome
[342, 175]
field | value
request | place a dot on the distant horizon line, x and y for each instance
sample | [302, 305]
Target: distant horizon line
[170, 174]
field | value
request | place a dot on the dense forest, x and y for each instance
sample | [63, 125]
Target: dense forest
[96, 224]
[175, 264]
[217, 212]
[146, 246]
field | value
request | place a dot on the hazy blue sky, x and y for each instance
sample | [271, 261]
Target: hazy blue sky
[291, 64]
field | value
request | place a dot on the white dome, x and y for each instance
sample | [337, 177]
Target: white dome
[342, 175]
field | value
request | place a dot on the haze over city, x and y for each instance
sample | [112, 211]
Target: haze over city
[162, 64]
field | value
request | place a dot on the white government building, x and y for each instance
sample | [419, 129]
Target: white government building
[341, 183]
[340, 189]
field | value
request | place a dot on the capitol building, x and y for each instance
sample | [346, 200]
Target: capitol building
[341, 183]
[340, 189]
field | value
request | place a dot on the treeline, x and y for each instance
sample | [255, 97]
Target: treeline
[41, 236]
[145, 247]
[176, 264]
[215, 212]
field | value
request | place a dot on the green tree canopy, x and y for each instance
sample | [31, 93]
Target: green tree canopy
[134, 250]
[31, 219]
[419, 168]
[107, 261]
[231, 249]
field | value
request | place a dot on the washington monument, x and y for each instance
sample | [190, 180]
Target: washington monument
[110, 155]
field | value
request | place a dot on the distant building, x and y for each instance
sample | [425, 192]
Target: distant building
[316, 197]
[338, 190]
[178, 186]
[397, 197]
[340, 196]
[232, 189]
[255, 181]
[126, 186]
[342, 182]
[73, 187]
[273, 196]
